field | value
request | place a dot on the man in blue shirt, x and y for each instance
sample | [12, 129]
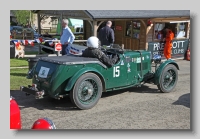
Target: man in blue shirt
[67, 37]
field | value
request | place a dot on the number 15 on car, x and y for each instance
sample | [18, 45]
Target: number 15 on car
[116, 71]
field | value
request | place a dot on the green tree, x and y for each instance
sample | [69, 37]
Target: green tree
[22, 16]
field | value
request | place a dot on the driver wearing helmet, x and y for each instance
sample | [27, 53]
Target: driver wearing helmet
[94, 52]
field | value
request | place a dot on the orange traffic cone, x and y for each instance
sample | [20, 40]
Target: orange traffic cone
[188, 55]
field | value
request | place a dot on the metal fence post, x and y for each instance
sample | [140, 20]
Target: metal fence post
[39, 49]
[58, 53]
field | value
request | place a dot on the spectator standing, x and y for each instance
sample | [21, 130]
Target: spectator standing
[106, 34]
[168, 37]
[67, 37]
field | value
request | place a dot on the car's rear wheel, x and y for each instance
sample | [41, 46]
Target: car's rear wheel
[87, 91]
[168, 79]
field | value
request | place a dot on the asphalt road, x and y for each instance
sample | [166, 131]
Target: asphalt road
[133, 108]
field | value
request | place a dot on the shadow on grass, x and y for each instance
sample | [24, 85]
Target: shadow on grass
[19, 74]
[19, 58]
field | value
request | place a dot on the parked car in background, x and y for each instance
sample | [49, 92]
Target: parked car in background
[36, 34]
[20, 29]
[78, 31]
[17, 29]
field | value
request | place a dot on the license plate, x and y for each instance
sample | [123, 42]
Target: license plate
[43, 72]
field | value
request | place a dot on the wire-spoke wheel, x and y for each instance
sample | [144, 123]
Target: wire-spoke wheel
[168, 79]
[86, 91]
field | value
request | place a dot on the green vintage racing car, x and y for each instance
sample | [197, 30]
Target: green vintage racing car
[84, 79]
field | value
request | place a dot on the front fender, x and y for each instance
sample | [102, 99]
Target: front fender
[159, 70]
[74, 78]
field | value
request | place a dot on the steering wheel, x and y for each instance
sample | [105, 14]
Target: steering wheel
[116, 50]
[120, 50]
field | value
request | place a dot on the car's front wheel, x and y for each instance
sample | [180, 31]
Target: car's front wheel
[87, 91]
[168, 79]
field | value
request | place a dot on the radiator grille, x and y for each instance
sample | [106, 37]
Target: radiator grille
[144, 66]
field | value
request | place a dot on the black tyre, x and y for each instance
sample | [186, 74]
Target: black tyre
[87, 91]
[168, 79]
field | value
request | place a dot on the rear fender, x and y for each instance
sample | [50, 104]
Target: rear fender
[31, 72]
[73, 79]
[159, 70]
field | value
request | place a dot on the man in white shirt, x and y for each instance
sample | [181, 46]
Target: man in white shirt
[67, 37]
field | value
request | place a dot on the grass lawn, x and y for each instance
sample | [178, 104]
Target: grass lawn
[22, 62]
[18, 75]
[18, 62]
[18, 78]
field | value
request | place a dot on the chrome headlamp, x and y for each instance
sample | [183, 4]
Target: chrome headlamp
[157, 59]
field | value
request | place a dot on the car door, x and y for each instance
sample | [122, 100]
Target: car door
[116, 76]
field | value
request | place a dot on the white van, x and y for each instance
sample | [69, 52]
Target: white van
[78, 30]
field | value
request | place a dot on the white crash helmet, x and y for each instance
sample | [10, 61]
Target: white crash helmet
[93, 42]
